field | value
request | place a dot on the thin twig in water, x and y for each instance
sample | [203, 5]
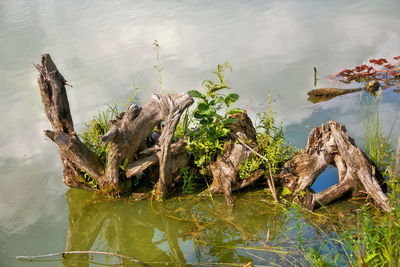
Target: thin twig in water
[270, 181]
[30, 258]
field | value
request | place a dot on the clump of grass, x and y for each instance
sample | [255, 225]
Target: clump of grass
[377, 143]
[96, 128]
[271, 145]
[314, 257]
[376, 240]
[87, 179]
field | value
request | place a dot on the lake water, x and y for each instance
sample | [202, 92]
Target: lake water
[104, 49]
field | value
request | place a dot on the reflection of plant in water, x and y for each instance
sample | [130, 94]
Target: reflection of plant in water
[256, 229]
[230, 235]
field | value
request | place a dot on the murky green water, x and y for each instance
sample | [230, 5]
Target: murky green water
[104, 48]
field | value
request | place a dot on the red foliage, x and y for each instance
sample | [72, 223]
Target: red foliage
[389, 66]
[387, 74]
[380, 61]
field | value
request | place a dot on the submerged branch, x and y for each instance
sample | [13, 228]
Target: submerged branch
[31, 258]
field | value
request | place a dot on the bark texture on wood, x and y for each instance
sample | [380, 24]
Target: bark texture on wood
[332, 145]
[331, 92]
[225, 170]
[126, 135]
[125, 138]
[168, 165]
[323, 94]
[75, 156]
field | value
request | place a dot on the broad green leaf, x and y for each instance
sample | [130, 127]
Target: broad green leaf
[205, 122]
[195, 93]
[225, 131]
[204, 109]
[198, 116]
[219, 99]
[230, 99]
[124, 163]
[235, 111]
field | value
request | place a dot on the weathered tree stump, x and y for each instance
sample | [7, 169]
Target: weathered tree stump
[126, 141]
[332, 145]
[125, 137]
[225, 170]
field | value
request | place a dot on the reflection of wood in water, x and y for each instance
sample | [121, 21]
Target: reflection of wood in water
[151, 234]
[135, 230]
[124, 229]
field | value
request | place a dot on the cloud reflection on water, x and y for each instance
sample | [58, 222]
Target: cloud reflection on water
[102, 46]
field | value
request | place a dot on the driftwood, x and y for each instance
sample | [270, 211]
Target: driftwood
[331, 92]
[323, 94]
[163, 158]
[332, 145]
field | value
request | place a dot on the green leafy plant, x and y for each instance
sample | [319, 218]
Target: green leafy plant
[208, 123]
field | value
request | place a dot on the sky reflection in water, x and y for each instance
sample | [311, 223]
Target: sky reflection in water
[103, 47]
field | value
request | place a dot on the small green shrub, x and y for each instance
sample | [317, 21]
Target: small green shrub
[271, 145]
[207, 125]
